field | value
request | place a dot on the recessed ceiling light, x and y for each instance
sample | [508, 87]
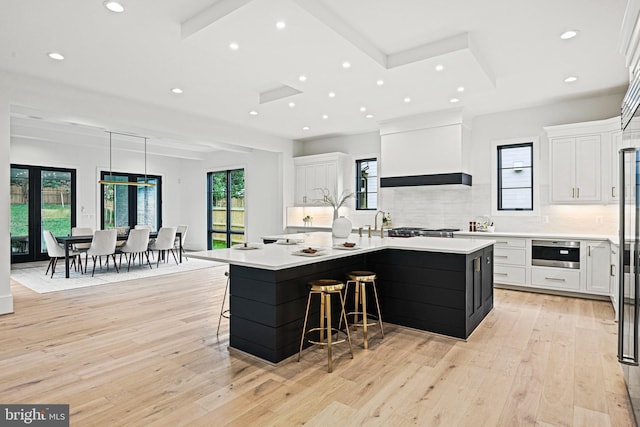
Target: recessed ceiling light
[176, 90]
[346, 64]
[454, 100]
[114, 6]
[281, 25]
[407, 99]
[253, 113]
[460, 88]
[332, 94]
[369, 116]
[380, 82]
[325, 117]
[569, 34]
[234, 46]
[292, 104]
[55, 55]
[363, 109]
[439, 67]
[306, 128]
[302, 78]
[570, 79]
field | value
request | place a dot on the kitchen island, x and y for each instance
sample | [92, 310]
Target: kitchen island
[433, 284]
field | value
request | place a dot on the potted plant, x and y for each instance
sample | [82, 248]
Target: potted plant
[332, 200]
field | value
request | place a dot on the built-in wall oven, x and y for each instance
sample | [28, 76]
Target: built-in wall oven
[555, 253]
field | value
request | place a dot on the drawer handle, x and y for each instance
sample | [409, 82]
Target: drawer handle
[613, 270]
[556, 279]
[502, 242]
[501, 256]
[500, 274]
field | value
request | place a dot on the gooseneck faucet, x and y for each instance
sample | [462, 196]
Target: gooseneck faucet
[375, 220]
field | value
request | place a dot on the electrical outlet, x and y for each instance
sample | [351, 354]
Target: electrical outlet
[545, 219]
[599, 220]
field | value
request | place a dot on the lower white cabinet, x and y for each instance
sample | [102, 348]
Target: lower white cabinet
[598, 267]
[564, 279]
[510, 261]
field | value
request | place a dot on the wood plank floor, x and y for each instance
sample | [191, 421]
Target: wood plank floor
[145, 353]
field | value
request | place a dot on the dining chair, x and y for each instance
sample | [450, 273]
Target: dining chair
[82, 231]
[103, 244]
[165, 242]
[137, 244]
[147, 226]
[55, 252]
[182, 229]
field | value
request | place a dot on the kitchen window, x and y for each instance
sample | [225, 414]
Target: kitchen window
[367, 184]
[130, 205]
[515, 177]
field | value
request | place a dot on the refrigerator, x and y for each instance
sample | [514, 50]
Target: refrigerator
[629, 239]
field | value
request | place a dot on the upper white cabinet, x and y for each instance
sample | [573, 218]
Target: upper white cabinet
[316, 172]
[581, 162]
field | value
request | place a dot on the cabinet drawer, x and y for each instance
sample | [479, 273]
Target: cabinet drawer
[507, 274]
[509, 256]
[556, 278]
[502, 242]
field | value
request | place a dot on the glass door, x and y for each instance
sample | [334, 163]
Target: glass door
[225, 208]
[129, 205]
[41, 199]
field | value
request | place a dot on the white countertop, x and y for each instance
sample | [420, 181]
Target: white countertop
[536, 235]
[277, 256]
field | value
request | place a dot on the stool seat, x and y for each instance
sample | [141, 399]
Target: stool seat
[326, 285]
[362, 276]
[325, 288]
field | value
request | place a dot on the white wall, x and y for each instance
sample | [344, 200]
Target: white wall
[6, 299]
[455, 206]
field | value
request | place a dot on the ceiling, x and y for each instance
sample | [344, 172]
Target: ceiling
[505, 54]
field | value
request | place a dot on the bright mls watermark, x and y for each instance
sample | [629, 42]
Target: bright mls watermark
[34, 415]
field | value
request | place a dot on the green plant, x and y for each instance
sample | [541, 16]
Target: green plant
[333, 200]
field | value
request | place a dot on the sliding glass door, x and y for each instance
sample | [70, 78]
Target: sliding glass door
[128, 205]
[42, 198]
[225, 208]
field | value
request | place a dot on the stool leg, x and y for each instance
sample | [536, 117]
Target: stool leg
[375, 293]
[327, 307]
[363, 297]
[322, 315]
[224, 299]
[304, 326]
[346, 290]
[346, 324]
[358, 304]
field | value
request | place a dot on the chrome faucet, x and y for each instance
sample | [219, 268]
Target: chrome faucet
[375, 220]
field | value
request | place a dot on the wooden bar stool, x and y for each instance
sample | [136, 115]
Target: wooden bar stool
[360, 279]
[224, 313]
[325, 288]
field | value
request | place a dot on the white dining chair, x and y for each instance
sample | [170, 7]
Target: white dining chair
[165, 242]
[137, 244]
[82, 231]
[182, 229]
[55, 252]
[103, 244]
[151, 241]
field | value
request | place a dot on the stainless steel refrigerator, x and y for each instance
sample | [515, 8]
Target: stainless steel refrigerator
[629, 262]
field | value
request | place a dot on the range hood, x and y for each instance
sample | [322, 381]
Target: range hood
[427, 149]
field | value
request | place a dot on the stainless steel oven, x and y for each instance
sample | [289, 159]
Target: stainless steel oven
[555, 253]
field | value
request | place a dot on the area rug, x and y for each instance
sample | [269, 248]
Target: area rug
[35, 279]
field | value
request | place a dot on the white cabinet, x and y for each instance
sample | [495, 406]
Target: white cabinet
[614, 287]
[614, 168]
[598, 267]
[582, 167]
[330, 171]
[510, 261]
[564, 279]
[575, 169]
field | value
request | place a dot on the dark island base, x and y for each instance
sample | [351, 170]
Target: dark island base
[444, 293]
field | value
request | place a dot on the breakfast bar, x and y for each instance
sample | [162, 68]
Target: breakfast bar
[432, 284]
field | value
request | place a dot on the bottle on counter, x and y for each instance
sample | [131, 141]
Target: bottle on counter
[470, 225]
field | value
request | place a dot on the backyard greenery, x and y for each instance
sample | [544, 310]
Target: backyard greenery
[56, 218]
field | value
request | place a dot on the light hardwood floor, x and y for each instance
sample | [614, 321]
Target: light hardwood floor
[145, 353]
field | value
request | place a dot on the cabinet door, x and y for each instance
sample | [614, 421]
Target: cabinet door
[598, 267]
[587, 168]
[614, 166]
[563, 169]
[300, 185]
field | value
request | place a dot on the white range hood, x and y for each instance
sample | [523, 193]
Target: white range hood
[427, 149]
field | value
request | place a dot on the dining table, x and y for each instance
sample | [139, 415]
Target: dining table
[68, 242]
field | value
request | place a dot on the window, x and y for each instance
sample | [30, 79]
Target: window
[367, 184]
[515, 177]
[225, 208]
[129, 205]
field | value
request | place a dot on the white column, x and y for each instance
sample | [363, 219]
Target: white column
[6, 299]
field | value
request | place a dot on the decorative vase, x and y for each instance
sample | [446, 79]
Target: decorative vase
[335, 214]
[341, 227]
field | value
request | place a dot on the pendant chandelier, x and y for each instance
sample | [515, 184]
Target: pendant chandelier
[111, 181]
